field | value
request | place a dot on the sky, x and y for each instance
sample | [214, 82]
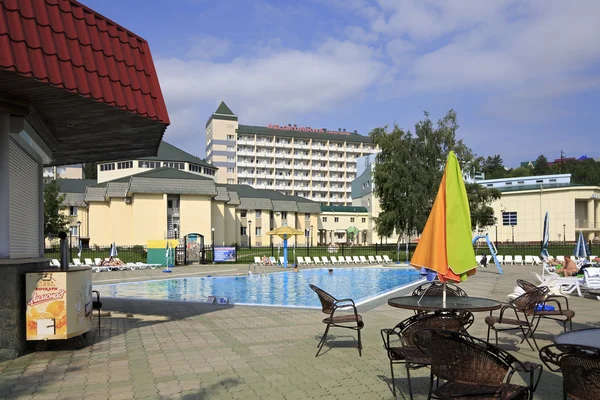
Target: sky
[523, 76]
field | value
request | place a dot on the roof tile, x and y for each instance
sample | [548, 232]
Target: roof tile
[51, 39]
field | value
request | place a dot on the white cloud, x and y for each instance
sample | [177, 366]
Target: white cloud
[207, 48]
[267, 88]
[358, 34]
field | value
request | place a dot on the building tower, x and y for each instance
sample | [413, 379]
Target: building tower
[221, 135]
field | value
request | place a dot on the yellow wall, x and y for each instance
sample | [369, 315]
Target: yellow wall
[149, 216]
[232, 225]
[195, 215]
[218, 222]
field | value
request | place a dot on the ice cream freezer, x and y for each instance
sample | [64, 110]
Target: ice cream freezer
[59, 303]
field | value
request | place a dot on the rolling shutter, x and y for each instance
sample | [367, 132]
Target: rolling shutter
[24, 189]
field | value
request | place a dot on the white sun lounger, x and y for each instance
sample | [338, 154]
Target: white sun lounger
[591, 280]
[349, 260]
[379, 259]
[560, 259]
[518, 260]
[325, 260]
[363, 260]
[300, 261]
[281, 260]
[500, 259]
[334, 260]
[528, 260]
[316, 260]
[537, 260]
[372, 260]
[145, 265]
[258, 261]
[356, 260]
[132, 266]
[566, 285]
[308, 261]
[387, 259]
[508, 260]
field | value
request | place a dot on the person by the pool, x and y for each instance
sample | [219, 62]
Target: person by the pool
[569, 268]
[330, 270]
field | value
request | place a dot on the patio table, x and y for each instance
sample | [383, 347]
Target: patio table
[585, 337]
[433, 303]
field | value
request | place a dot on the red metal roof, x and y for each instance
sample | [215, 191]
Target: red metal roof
[67, 45]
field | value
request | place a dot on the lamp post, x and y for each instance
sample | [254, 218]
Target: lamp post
[70, 244]
[249, 234]
[496, 225]
[564, 232]
[213, 244]
[513, 233]
[311, 238]
[79, 234]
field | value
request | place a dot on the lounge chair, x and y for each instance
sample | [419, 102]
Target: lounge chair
[132, 266]
[308, 261]
[478, 259]
[281, 260]
[325, 260]
[329, 306]
[560, 259]
[273, 261]
[387, 259]
[372, 260]
[537, 260]
[508, 260]
[258, 261]
[334, 260]
[77, 262]
[565, 285]
[54, 262]
[591, 280]
[363, 260]
[379, 259]
[356, 260]
[145, 265]
[500, 259]
[300, 261]
[89, 262]
[528, 260]
[592, 258]
[317, 260]
[349, 260]
[518, 260]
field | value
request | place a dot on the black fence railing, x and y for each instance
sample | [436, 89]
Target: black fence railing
[134, 253]
[535, 248]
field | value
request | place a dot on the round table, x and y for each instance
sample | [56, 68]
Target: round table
[585, 337]
[433, 303]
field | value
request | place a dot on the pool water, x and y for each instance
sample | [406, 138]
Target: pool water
[277, 289]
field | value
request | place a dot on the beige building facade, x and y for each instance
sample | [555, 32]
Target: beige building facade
[317, 164]
[348, 225]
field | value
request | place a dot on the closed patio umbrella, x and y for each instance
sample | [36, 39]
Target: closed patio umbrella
[581, 249]
[545, 237]
[445, 248]
[285, 232]
[113, 250]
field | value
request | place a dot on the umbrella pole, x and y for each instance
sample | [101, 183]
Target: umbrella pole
[444, 295]
[285, 253]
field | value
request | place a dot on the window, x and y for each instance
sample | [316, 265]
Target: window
[284, 215]
[231, 181]
[243, 214]
[75, 230]
[539, 181]
[243, 231]
[307, 216]
[552, 180]
[336, 219]
[125, 165]
[230, 148]
[257, 231]
[490, 185]
[230, 170]
[209, 171]
[195, 168]
[368, 202]
[509, 218]
[324, 219]
[258, 214]
[175, 165]
[73, 211]
[363, 220]
[230, 137]
[230, 159]
[107, 167]
[351, 219]
[521, 182]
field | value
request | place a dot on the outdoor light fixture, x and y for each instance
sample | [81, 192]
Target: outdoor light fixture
[213, 244]
[496, 225]
[249, 234]
[564, 232]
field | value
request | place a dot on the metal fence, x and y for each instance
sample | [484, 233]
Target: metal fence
[135, 253]
[534, 248]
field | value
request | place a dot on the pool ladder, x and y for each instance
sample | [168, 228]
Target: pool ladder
[256, 269]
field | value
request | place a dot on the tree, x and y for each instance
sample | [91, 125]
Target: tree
[541, 166]
[519, 171]
[480, 198]
[90, 171]
[493, 167]
[408, 171]
[54, 221]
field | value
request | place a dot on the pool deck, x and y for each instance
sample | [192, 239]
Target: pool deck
[168, 350]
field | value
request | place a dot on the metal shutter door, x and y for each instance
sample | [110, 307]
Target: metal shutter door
[24, 189]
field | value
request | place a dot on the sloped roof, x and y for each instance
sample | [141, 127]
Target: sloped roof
[520, 188]
[168, 152]
[70, 46]
[223, 109]
[74, 185]
[162, 173]
[347, 209]
[223, 112]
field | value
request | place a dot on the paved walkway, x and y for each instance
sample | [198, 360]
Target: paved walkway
[162, 350]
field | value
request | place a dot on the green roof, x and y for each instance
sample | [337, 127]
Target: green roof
[347, 209]
[163, 173]
[74, 185]
[519, 188]
[223, 112]
[262, 130]
[527, 164]
[168, 152]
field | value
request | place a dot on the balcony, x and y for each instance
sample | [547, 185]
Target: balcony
[585, 224]
[173, 212]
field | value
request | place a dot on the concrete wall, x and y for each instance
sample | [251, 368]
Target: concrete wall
[149, 216]
[195, 215]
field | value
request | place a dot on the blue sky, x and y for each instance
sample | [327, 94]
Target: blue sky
[523, 76]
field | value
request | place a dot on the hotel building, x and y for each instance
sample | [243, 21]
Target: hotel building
[317, 164]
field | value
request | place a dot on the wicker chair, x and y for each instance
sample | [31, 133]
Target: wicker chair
[473, 368]
[436, 288]
[561, 313]
[403, 350]
[523, 308]
[580, 367]
[329, 306]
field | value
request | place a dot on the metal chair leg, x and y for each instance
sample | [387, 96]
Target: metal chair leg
[408, 380]
[323, 340]
[393, 382]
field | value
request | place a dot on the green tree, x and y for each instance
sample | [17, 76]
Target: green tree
[519, 171]
[90, 171]
[408, 171]
[54, 221]
[493, 167]
[480, 198]
[541, 166]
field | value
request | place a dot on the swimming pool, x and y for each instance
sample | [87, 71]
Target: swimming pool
[278, 289]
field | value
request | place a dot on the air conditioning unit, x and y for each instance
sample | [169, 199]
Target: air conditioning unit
[128, 200]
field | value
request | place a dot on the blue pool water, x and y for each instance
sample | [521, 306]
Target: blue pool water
[277, 289]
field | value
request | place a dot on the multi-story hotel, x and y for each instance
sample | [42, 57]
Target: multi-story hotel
[317, 164]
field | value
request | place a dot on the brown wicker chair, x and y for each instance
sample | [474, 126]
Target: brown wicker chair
[580, 367]
[436, 288]
[403, 350]
[473, 368]
[329, 306]
[561, 313]
[523, 308]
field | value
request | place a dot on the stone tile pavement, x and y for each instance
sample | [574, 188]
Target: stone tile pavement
[163, 350]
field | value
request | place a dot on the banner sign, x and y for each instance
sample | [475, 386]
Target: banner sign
[224, 254]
